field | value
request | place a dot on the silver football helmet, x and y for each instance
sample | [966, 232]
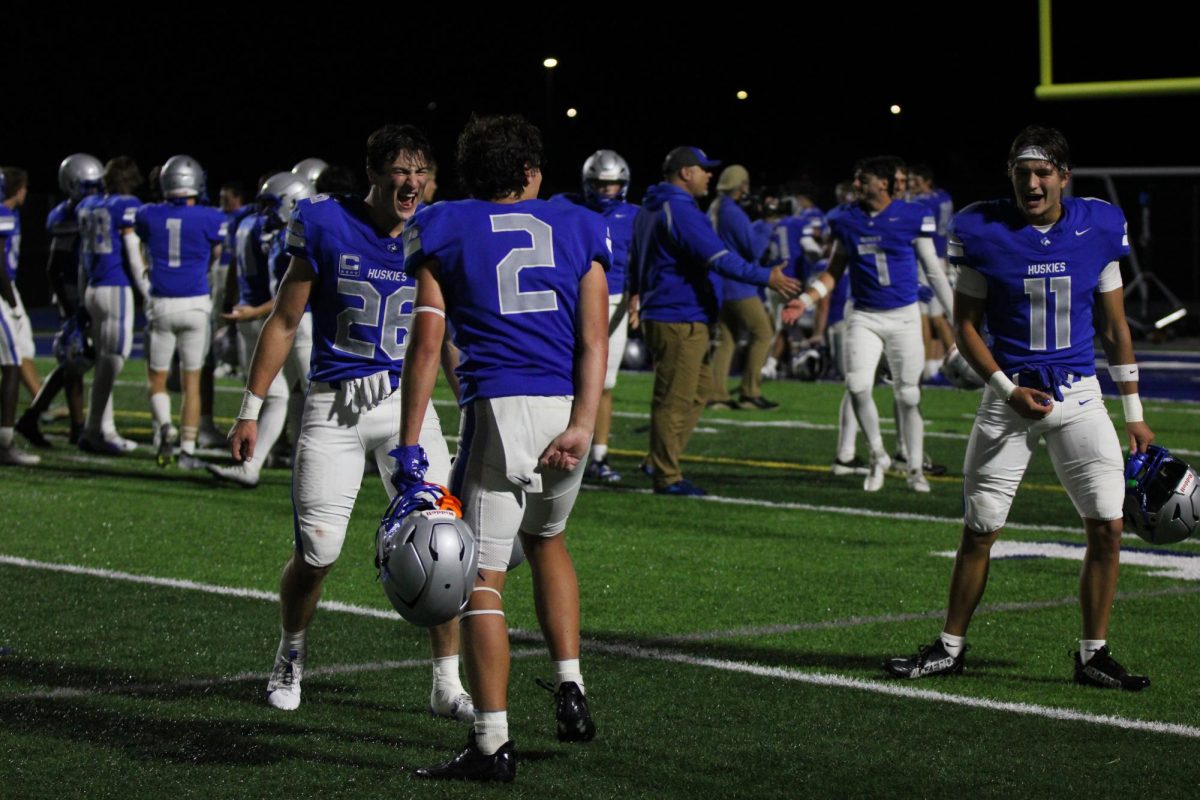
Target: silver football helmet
[78, 174]
[810, 364]
[959, 372]
[1162, 496]
[182, 176]
[282, 191]
[310, 169]
[427, 557]
[605, 165]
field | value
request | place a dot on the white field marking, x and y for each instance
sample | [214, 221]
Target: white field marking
[1162, 564]
[864, 512]
[813, 678]
[898, 689]
[69, 693]
[886, 619]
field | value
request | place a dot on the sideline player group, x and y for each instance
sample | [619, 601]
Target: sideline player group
[350, 305]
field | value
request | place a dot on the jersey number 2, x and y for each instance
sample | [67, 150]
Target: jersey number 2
[539, 256]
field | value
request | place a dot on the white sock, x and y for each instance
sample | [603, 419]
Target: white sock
[160, 408]
[187, 439]
[290, 643]
[445, 674]
[954, 644]
[599, 452]
[567, 671]
[1089, 648]
[932, 366]
[6, 437]
[491, 730]
[847, 429]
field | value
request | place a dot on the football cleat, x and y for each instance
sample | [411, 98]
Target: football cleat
[452, 704]
[759, 403]
[283, 688]
[238, 473]
[900, 465]
[855, 466]
[917, 482]
[681, 488]
[189, 461]
[28, 427]
[572, 717]
[602, 472]
[1103, 671]
[722, 405]
[929, 660]
[472, 765]
[15, 457]
[165, 448]
[875, 473]
[101, 446]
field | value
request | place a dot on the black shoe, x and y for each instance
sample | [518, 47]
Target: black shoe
[721, 405]
[930, 660]
[900, 466]
[73, 436]
[27, 426]
[1102, 670]
[571, 712]
[759, 403]
[472, 765]
[855, 466]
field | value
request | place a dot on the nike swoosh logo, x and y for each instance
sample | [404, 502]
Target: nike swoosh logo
[1082, 232]
[526, 481]
[1085, 402]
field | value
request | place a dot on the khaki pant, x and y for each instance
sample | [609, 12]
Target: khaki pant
[748, 314]
[682, 376]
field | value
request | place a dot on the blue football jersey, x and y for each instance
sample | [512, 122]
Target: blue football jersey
[619, 217]
[180, 239]
[234, 219]
[101, 220]
[362, 298]
[10, 233]
[1040, 286]
[941, 206]
[252, 244]
[785, 246]
[510, 275]
[879, 251]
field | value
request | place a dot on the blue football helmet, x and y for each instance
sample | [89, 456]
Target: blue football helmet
[282, 191]
[79, 174]
[1162, 496]
[182, 176]
[605, 165]
[426, 555]
[310, 169]
[73, 346]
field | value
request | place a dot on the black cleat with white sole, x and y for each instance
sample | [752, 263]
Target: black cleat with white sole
[1103, 671]
[930, 660]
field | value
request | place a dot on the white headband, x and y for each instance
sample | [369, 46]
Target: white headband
[1035, 154]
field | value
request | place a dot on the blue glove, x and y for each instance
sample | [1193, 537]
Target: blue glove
[924, 293]
[411, 463]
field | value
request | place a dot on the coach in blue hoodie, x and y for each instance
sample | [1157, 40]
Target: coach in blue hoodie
[674, 253]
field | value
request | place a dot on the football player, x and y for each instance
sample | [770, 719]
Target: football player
[522, 281]
[111, 259]
[78, 176]
[184, 241]
[255, 243]
[17, 181]
[1042, 271]
[881, 240]
[13, 319]
[347, 260]
[605, 186]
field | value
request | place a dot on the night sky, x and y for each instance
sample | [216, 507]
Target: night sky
[249, 92]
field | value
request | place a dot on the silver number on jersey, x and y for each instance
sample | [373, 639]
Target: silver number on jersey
[97, 232]
[393, 328]
[508, 271]
[880, 259]
[1060, 287]
[174, 237]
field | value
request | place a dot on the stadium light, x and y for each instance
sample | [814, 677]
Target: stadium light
[572, 113]
[742, 94]
[550, 63]
[895, 109]
[1174, 316]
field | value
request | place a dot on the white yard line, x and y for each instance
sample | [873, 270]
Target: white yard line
[892, 688]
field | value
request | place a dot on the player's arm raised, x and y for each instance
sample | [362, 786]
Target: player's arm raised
[274, 344]
[591, 355]
[1118, 346]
